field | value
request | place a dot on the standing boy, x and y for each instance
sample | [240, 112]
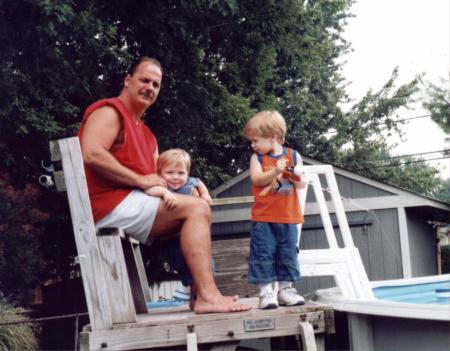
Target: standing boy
[275, 213]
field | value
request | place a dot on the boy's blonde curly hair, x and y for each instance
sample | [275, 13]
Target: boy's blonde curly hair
[266, 124]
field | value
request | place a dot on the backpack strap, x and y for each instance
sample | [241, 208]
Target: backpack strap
[259, 158]
[294, 156]
[293, 152]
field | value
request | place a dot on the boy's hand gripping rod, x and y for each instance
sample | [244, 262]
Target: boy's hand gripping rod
[276, 184]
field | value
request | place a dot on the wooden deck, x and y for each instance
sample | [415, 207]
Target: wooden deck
[165, 327]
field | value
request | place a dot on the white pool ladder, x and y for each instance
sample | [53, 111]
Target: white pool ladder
[343, 263]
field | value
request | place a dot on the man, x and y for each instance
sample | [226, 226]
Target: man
[120, 155]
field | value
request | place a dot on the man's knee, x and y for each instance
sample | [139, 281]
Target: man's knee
[201, 208]
[194, 207]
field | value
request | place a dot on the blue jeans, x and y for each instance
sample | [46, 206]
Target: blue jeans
[273, 253]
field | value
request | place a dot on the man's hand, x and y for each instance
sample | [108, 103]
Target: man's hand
[151, 180]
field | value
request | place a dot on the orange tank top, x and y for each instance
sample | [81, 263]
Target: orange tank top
[136, 153]
[280, 204]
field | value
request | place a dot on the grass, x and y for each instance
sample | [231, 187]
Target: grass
[21, 336]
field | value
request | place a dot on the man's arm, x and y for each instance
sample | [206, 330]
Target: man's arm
[100, 132]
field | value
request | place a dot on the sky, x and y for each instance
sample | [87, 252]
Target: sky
[410, 34]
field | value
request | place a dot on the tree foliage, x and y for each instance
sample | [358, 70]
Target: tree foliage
[438, 103]
[56, 56]
[366, 152]
[223, 60]
[21, 228]
[410, 173]
[443, 191]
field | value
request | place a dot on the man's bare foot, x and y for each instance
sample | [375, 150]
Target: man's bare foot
[193, 298]
[218, 304]
[232, 298]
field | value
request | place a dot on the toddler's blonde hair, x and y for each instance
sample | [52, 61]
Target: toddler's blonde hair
[266, 124]
[174, 157]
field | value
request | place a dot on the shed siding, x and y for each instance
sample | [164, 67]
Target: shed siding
[231, 228]
[385, 260]
[347, 187]
[243, 188]
[422, 243]
[378, 243]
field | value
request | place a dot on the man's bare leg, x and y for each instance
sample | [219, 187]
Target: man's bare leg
[193, 215]
[196, 246]
[193, 297]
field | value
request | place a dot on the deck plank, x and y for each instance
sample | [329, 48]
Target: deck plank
[170, 327]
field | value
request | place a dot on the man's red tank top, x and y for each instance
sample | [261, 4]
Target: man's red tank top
[281, 204]
[136, 153]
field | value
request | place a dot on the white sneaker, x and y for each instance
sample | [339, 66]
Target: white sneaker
[290, 297]
[268, 301]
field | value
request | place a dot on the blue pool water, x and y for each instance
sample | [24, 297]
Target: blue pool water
[414, 293]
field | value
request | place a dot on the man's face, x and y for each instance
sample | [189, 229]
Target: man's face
[144, 85]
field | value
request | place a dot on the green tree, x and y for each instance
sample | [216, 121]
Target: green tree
[438, 103]
[223, 60]
[406, 172]
[360, 133]
[359, 142]
[56, 56]
[443, 191]
[21, 254]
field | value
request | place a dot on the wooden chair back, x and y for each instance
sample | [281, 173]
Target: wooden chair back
[112, 270]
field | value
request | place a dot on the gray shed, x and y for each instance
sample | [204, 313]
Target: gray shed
[392, 228]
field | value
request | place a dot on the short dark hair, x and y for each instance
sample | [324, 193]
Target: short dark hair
[137, 62]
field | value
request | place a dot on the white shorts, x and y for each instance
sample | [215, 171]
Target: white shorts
[135, 215]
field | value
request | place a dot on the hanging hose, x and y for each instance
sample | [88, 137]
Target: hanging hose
[46, 181]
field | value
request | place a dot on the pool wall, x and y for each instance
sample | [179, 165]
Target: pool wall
[380, 325]
[379, 333]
